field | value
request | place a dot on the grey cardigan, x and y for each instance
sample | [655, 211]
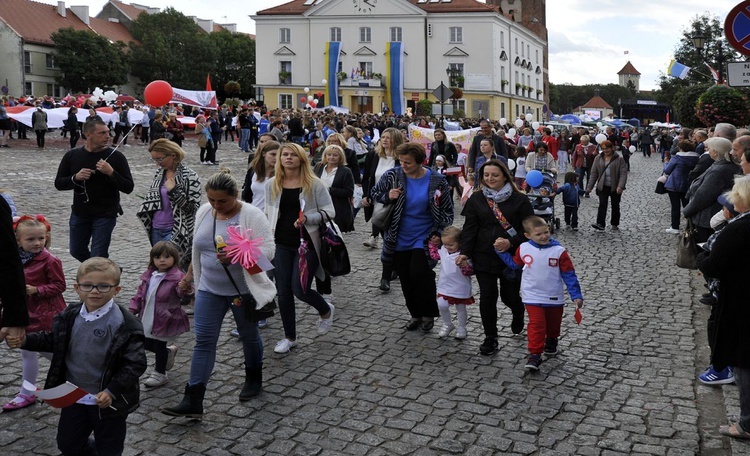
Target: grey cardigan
[702, 194]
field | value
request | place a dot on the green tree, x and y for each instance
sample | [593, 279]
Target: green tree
[564, 98]
[171, 47]
[235, 61]
[88, 60]
[684, 104]
[722, 104]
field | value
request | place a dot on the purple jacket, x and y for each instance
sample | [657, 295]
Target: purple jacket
[169, 317]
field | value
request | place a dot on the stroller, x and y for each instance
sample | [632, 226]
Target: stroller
[542, 200]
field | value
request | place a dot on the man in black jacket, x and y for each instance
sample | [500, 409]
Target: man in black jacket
[485, 132]
[14, 316]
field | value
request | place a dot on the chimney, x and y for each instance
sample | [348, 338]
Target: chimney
[230, 27]
[61, 9]
[82, 12]
[206, 24]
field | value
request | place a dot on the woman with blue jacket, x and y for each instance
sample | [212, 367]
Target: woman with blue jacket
[677, 184]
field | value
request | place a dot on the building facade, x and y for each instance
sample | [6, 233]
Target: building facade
[495, 62]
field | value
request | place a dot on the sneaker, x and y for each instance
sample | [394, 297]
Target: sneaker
[324, 324]
[550, 346]
[575, 228]
[615, 228]
[489, 346]
[672, 231]
[461, 332]
[533, 363]
[170, 357]
[445, 330]
[371, 242]
[156, 379]
[284, 345]
[262, 323]
[711, 377]
[235, 333]
[709, 300]
[328, 298]
[19, 402]
[597, 227]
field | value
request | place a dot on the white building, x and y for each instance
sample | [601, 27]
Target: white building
[496, 62]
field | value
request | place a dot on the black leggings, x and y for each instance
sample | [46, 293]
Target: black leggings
[159, 348]
[417, 283]
[510, 293]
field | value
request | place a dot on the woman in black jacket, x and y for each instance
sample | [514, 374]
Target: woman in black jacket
[442, 146]
[496, 211]
[71, 125]
[340, 182]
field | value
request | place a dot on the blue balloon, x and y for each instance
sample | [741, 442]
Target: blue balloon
[534, 178]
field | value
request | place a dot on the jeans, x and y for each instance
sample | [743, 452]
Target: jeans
[571, 216]
[85, 229]
[510, 292]
[742, 379]
[158, 234]
[601, 215]
[678, 201]
[76, 424]
[245, 139]
[562, 161]
[287, 271]
[417, 283]
[583, 173]
[209, 314]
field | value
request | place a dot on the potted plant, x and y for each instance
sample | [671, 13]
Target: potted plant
[458, 93]
[341, 75]
[503, 83]
[459, 80]
[377, 76]
[284, 75]
[518, 87]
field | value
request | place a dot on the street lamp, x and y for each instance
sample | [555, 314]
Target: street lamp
[699, 41]
[453, 74]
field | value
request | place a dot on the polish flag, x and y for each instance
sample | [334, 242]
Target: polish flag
[61, 396]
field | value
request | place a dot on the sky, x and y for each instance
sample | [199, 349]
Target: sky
[587, 39]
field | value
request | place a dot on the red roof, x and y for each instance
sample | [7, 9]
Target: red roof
[629, 69]
[115, 31]
[129, 10]
[296, 7]
[597, 102]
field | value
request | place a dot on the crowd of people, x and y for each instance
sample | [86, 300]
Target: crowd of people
[305, 168]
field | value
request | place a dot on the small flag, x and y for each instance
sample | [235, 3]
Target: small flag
[60, 396]
[208, 83]
[578, 315]
[678, 70]
[627, 52]
[714, 73]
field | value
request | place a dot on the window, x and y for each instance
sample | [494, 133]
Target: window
[285, 101]
[27, 63]
[528, 51]
[365, 70]
[457, 76]
[502, 109]
[27, 88]
[537, 55]
[460, 105]
[285, 72]
[365, 34]
[523, 54]
[456, 34]
[335, 33]
[396, 34]
[518, 111]
[341, 67]
[516, 45]
[51, 64]
[502, 40]
[285, 35]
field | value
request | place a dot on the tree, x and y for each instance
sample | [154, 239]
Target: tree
[88, 60]
[722, 104]
[684, 104]
[235, 61]
[564, 98]
[631, 88]
[171, 47]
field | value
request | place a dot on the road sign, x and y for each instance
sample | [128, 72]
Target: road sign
[737, 27]
[443, 93]
[738, 74]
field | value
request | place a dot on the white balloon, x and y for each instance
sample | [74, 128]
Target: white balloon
[308, 105]
[310, 98]
[631, 149]
[316, 101]
[307, 90]
[511, 164]
[503, 121]
[582, 116]
[600, 138]
[512, 132]
[599, 125]
[110, 96]
[535, 125]
[324, 81]
[529, 117]
[519, 123]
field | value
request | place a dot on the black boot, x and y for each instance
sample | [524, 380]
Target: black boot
[253, 383]
[191, 405]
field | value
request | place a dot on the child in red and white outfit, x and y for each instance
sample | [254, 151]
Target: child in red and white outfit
[546, 266]
[45, 284]
[454, 283]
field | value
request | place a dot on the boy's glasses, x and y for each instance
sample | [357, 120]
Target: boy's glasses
[101, 288]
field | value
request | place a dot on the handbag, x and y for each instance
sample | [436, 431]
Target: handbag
[382, 215]
[660, 189]
[687, 248]
[246, 299]
[334, 258]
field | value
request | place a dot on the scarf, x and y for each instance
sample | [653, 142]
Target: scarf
[498, 196]
[26, 256]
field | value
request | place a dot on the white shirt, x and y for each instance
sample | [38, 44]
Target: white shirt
[384, 164]
[98, 313]
[327, 177]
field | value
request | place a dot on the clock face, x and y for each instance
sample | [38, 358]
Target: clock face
[364, 6]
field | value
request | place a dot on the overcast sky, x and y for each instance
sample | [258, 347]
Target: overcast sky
[587, 39]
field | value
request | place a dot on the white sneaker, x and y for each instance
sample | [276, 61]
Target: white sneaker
[170, 357]
[371, 242]
[461, 332]
[324, 324]
[328, 298]
[672, 231]
[284, 345]
[445, 330]
[156, 379]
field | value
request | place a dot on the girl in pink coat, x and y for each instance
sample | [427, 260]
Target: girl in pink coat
[45, 284]
[157, 304]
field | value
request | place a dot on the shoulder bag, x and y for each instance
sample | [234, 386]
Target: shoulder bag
[334, 257]
[687, 249]
[660, 189]
[508, 273]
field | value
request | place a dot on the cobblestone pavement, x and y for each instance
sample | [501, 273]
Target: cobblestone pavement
[624, 382]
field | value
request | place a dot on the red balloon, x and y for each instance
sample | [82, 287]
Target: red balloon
[320, 95]
[158, 93]
[313, 104]
[302, 99]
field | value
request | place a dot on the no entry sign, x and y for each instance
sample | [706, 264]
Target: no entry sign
[737, 27]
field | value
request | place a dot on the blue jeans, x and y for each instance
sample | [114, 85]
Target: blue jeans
[286, 267]
[97, 230]
[244, 139]
[209, 314]
[158, 234]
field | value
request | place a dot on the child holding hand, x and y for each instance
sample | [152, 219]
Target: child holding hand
[546, 266]
[454, 283]
[45, 284]
[571, 193]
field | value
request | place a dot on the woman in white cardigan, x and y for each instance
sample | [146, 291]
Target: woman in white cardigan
[294, 198]
[218, 282]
